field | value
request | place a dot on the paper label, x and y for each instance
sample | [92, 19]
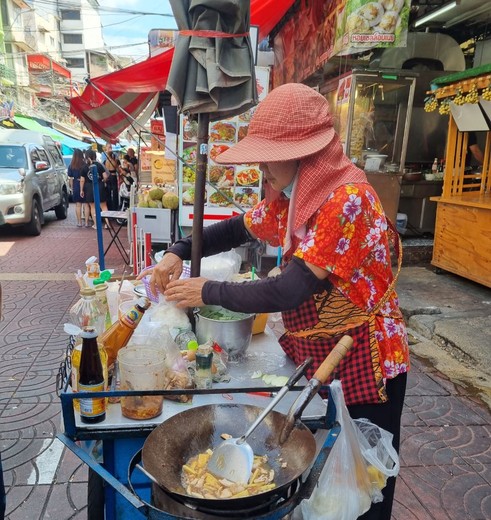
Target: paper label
[92, 407]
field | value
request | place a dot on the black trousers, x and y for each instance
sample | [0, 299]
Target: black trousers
[112, 197]
[388, 417]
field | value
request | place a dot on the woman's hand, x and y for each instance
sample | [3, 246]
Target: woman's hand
[169, 268]
[82, 195]
[186, 293]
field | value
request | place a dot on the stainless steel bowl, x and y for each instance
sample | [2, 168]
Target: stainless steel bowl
[234, 336]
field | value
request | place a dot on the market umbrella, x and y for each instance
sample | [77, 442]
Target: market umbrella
[212, 75]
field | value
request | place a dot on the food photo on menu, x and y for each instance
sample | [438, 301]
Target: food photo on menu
[246, 197]
[222, 131]
[217, 149]
[221, 176]
[223, 198]
[248, 176]
[189, 154]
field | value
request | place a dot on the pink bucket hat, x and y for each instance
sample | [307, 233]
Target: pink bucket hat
[293, 121]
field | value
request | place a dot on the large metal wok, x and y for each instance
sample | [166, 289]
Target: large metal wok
[194, 431]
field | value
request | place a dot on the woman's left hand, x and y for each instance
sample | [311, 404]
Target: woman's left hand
[186, 293]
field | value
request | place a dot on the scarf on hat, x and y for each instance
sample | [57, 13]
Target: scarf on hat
[318, 176]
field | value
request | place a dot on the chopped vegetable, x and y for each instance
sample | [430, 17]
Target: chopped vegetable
[257, 374]
[274, 380]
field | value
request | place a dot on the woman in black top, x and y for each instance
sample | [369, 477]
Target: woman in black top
[112, 165]
[89, 183]
[77, 173]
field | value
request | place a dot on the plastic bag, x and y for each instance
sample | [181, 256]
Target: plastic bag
[221, 267]
[343, 491]
[177, 375]
[380, 454]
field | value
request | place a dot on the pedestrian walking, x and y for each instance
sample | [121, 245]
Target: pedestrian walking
[112, 165]
[95, 169]
[77, 173]
[336, 274]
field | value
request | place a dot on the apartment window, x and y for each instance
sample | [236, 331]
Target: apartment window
[70, 14]
[75, 63]
[72, 38]
[5, 13]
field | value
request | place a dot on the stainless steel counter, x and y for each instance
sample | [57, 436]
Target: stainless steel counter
[264, 354]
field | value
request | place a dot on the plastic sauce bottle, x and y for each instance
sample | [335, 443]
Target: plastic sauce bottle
[434, 166]
[92, 410]
[87, 312]
[120, 332]
[101, 296]
[204, 358]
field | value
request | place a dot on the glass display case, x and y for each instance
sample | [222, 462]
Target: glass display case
[372, 116]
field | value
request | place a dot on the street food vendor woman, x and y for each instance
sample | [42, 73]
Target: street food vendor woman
[336, 276]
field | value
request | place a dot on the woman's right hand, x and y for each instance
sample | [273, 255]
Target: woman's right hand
[168, 269]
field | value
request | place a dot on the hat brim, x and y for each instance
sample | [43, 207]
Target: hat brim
[255, 149]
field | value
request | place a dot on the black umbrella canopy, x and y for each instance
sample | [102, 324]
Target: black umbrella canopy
[212, 75]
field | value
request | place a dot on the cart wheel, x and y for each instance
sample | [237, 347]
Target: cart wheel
[439, 270]
[95, 496]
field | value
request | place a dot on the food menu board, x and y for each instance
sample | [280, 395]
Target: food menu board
[225, 183]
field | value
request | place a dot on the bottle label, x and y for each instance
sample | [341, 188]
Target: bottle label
[132, 318]
[92, 407]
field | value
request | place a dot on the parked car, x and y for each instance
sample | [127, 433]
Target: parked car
[33, 179]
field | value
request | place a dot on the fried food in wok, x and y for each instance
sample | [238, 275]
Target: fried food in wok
[199, 482]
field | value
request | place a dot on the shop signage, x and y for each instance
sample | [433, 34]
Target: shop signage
[239, 186]
[161, 40]
[364, 24]
[320, 30]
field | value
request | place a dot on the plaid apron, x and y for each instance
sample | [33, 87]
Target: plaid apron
[314, 328]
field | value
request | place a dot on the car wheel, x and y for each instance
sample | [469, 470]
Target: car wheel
[34, 226]
[61, 211]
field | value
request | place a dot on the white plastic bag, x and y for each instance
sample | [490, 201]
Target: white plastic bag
[380, 454]
[221, 267]
[343, 491]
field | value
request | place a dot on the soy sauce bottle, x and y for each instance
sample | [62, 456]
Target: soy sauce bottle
[91, 379]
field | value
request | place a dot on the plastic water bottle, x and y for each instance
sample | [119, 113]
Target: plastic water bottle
[184, 338]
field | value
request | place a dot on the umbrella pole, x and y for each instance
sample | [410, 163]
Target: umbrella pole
[199, 193]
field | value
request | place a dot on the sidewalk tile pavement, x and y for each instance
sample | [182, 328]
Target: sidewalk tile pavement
[446, 435]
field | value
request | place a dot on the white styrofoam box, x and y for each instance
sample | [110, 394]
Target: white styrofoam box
[156, 221]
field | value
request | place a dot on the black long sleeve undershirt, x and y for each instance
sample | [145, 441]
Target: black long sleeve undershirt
[287, 291]
[217, 238]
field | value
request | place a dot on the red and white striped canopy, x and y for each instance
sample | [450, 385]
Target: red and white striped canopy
[108, 101]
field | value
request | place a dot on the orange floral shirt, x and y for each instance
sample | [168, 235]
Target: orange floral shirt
[347, 237]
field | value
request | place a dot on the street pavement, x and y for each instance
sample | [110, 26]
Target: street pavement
[446, 438]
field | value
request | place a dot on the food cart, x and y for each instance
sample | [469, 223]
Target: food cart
[128, 494]
[372, 111]
[462, 242]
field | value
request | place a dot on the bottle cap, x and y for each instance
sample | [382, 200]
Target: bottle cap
[193, 345]
[143, 303]
[87, 291]
[104, 276]
[88, 333]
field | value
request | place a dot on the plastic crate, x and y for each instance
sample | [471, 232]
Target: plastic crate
[156, 221]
